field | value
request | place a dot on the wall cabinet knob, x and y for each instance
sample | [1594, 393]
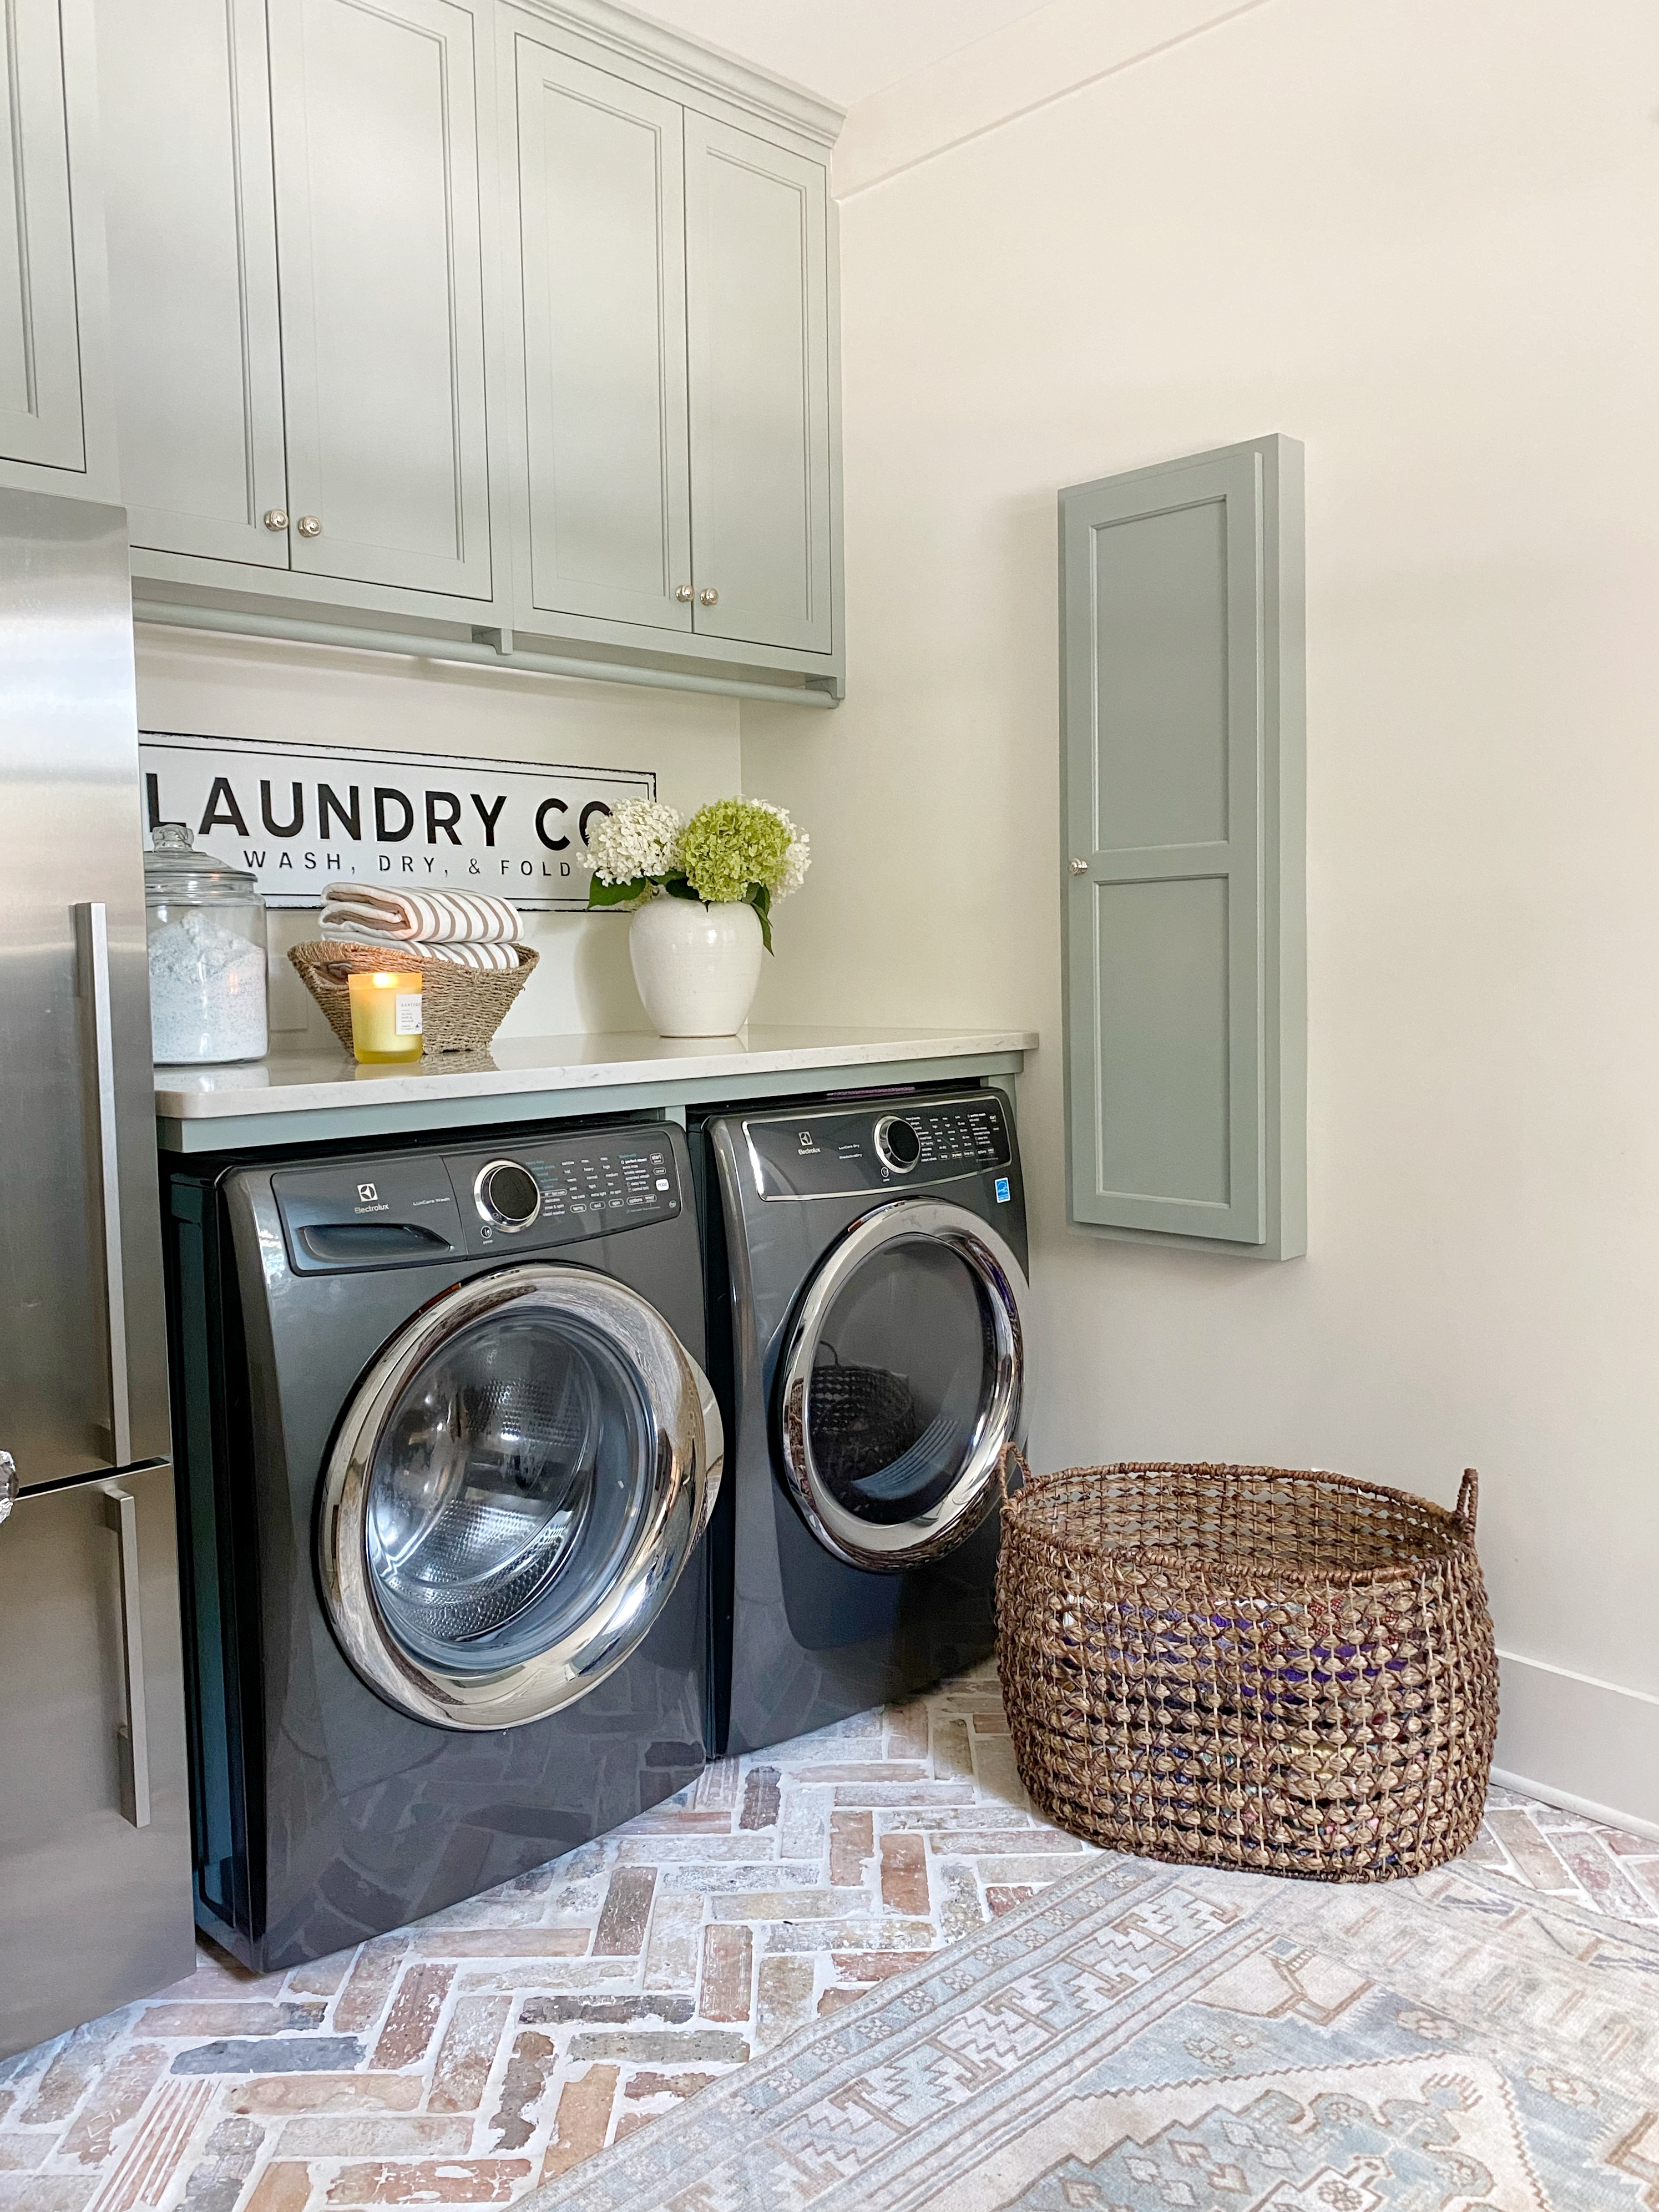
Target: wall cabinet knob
[685, 594]
[276, 518]
[711, 598]
[310, 525]
[1079, 867]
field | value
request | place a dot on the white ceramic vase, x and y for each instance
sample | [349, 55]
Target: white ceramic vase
[696, 966]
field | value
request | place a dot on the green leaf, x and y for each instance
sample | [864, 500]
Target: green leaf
[679, 887]
[761, 899]
[600, 893]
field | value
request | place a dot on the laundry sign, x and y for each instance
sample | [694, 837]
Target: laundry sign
[299, 817]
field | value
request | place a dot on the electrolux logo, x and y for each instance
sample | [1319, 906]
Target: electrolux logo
[299, 817]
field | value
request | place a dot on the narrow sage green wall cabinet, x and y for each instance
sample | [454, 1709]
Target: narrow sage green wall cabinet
[56, 433]
[509, 322]
[1182, 656]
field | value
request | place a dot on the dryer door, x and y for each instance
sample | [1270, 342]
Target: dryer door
[903, 1378]
[513, 1494]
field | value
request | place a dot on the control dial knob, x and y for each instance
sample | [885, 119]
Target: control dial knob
[507, 1195]
[897, 1146]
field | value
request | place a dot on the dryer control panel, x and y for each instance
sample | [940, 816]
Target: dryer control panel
[893, 1145]
[519, 1198]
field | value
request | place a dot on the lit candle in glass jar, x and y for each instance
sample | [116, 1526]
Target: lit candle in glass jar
[386, 1016]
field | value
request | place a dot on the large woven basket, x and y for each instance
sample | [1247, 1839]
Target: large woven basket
[1247, 1666]
[462, 1007]
[862, 1418]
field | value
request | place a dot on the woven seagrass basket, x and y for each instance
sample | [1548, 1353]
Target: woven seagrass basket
[862, 1420]
[462, 1007]
[1248, 1667]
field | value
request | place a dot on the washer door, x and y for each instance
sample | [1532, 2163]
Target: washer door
[512, 1495]
[901, 1379]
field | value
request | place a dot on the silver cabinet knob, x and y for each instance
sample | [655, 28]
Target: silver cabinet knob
[1079, 867]
[711, 598]
[276, 518]
[685, 594]
[8, 1482]
[309, 526]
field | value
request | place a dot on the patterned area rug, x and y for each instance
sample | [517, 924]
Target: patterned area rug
[1142, 2037]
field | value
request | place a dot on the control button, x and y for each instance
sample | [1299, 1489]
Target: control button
[897, 1144]
[507, 1195]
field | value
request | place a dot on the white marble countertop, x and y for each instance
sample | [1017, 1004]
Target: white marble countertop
[196, 1105]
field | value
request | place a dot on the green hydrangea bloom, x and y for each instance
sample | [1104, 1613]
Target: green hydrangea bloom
[732, 847]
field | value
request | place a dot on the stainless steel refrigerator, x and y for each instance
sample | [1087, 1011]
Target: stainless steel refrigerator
[94, 1826]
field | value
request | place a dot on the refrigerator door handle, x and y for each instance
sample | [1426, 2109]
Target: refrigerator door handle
[121, 1513]
[93, 926]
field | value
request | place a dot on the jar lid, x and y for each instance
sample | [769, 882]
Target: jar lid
[173, 868]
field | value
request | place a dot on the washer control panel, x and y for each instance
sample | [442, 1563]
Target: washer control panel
[890, 1144]
[562, 1187]
[405, 1210]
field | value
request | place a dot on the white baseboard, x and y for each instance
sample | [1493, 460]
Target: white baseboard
[1547, 1793]
[1587, 1746]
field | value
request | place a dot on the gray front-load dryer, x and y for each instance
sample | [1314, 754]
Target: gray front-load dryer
[875, 1271]
[449, 1458]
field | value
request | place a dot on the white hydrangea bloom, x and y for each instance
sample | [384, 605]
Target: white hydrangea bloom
[797, 860]
[638, 839]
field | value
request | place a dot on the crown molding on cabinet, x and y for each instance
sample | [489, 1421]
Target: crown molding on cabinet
[698, 67]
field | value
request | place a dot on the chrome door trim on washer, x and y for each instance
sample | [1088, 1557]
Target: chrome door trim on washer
[682, 1486]
[953, 1519]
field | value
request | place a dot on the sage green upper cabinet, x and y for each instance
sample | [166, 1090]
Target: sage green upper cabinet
[55, 431]
[677, 405]
[602, 221]
[517, 315]
[1181, 660]
[39, 345]
[376, 127]
[192, 242]
[757, 284]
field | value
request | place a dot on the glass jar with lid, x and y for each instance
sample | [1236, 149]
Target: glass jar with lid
[207, 954]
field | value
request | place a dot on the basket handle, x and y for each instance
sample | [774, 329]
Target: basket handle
[1011, 1453]
[1468, 1498]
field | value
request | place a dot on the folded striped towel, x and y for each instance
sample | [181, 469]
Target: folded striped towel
[487, 958]
[426, 917]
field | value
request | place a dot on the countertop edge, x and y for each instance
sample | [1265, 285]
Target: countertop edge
[394, 1087]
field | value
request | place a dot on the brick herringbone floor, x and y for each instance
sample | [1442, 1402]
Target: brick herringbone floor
[461, 2061]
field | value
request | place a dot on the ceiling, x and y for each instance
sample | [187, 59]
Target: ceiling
[841, 48]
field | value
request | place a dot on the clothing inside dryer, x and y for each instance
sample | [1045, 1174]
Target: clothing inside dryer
[504, 1489]
[901, 1374]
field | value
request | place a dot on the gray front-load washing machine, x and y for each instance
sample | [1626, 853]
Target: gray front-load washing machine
[874, 1278]
[449, 1456]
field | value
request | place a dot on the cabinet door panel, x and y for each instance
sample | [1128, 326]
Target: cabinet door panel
[185, 113]
[602, 224]
[757, 250]
[381, 270]
[40, 406]
[1181, 650]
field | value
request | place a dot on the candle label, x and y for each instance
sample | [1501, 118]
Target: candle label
[409, 1020]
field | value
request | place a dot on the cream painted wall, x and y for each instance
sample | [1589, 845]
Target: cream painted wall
[1422, 240]
[237, 689]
